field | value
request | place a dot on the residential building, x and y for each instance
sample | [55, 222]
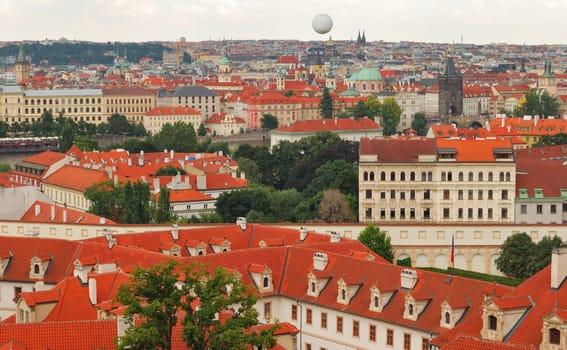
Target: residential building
[345, 128]
[223, 124]
[31, 170]
[197, 97]
[131, 102]
[155, 119]
[437, 180]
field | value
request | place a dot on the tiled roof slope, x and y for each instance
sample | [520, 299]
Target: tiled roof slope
[475, 150]
[395, 150]
[76, 178]
[337, 124]
[60, 335]
[58, 214]
[548, 175]
[46, 158]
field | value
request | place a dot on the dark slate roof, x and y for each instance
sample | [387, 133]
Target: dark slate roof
[188, 91]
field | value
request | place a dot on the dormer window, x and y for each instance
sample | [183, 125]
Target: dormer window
[375, 301]
[346, 290]
[554, 331]
[36, 269]
[554, 336]
[266, 282]
[313, 289]
[492, 322]
[38, 266]
[262, 277]
[410, 309]
[447, 318]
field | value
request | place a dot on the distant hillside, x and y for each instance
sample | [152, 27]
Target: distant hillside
[85, 52]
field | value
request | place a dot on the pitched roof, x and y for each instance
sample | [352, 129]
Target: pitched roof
[76, 178]
[45, 212]
[394, 150]
[158, 111]
[46, 158]
[337, 124]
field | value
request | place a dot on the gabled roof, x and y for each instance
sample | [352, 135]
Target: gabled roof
[76, 178]
[59, 214]
[395, 150]
[475, 150]
[46, 158]
[158, 111]
[337, 125]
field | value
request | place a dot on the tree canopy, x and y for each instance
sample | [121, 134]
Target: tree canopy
[520, 257]
[538, 102]
[326, 104]
[157, 295]
[377, 241]
[391, 113]
[269, 121]
[419, 123]
[180, 137]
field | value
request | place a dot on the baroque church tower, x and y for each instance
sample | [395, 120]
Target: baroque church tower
[22, 66]
[450, 92]
[548, 80]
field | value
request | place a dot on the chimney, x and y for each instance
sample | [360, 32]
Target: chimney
[302, 233]
[129, 161]
[52, 212]
[141, 159]
[92, 291]
[105, 268]
[201, 182]
[115, 180]
[320, 261]
[408, 278]
[175, 232]
[558, 267]
[241, 221]
[335, 237]
[102, 221]
[37, 208]
[80, 272]
[64, 215]
[171, 154]
[156, 185]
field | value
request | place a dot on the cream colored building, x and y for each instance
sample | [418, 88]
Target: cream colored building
[442, 180]
[156, 118]
[223, 124]
[133, 103]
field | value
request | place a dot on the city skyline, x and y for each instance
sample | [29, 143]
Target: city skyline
[477, 21]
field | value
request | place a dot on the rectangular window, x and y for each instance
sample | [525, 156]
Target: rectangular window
[504, 194]
[426, 213]
[470, 197]
[392, 213]
[372, 333]
[294, 312]
[339, 324]
[267, 310]
[490, 214]
[402, 195]
[412, 194]
[523, 209]
[504, 213]
[553, 209]
[426, 194]
[490, 195]
[480, 213]
[446, 194]
[480, 194]
[470, 213]
[412, 213]
[539, 209]
[324, 320]
[565, 207]
[382, 194]
[355, 329]
[446, 213]
[309, 316]
[407, 341]
[368, 194]
[460, 195]
[402, 213]
[390, 337]
[392, 194]
[382, 213]
[307, 346]
[460, 213]
[424, 344]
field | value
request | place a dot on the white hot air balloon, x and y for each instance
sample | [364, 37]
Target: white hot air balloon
[322, 23]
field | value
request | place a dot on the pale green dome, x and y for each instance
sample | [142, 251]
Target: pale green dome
[366, 74]
[224, 61]
[349, 93]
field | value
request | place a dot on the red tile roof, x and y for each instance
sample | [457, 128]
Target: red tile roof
[46, 158]
[172, 111]
[394, 150]
[474, 150]
[337, 124]
[59, 214]
[76, 178]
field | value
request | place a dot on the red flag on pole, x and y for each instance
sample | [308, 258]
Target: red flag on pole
[453, 250]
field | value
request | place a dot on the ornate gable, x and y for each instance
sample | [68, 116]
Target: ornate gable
[346, 290]
[379, 299]
[39, 264]
[554, 331]
[262, 277]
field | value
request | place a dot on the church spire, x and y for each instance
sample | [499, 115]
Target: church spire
[21, 56]
[547, 72]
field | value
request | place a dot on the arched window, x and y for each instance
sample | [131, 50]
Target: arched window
[36, 269]
[554, 336]
[492, 321]
[423, 176]
[412, 176]
[343, 294]
[403, 176]
[430, 176]
[410, 309]
[480, 176]
[471, 176]
[461, 176]
[501, 176]
[312, 287]
[443, 176]
[447, 317]
[371, 176]
[508, 176]
[383, 176]
[392, 176]
[375, 301]
[266, 282]
[365, 176]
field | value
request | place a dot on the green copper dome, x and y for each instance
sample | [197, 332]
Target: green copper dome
[224, 61]
[349, 93]
[366, 74]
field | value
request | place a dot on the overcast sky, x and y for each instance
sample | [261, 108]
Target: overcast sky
[477, 21]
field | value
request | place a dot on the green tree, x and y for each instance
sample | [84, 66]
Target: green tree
[334, 174]
[231, 205]
[373, 107]
[105, 200]
[515, 256]
[326, 104]
[153, 297]
[215, 147]
[5, 167]
[377, 241]
[162, 213]
[86, 144]
[283, 203]
[220, 293]
[66, 137]
[360, 110]
[391, 113]
[419, 123]
[201, 131]
[269, 121]
[180, 137]
[170, 170]
[4, 127]
[552, 140]
[289, 93]
[118, 125]
[540, 103]
[250, 169]
[334, 208]
[542, 254]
